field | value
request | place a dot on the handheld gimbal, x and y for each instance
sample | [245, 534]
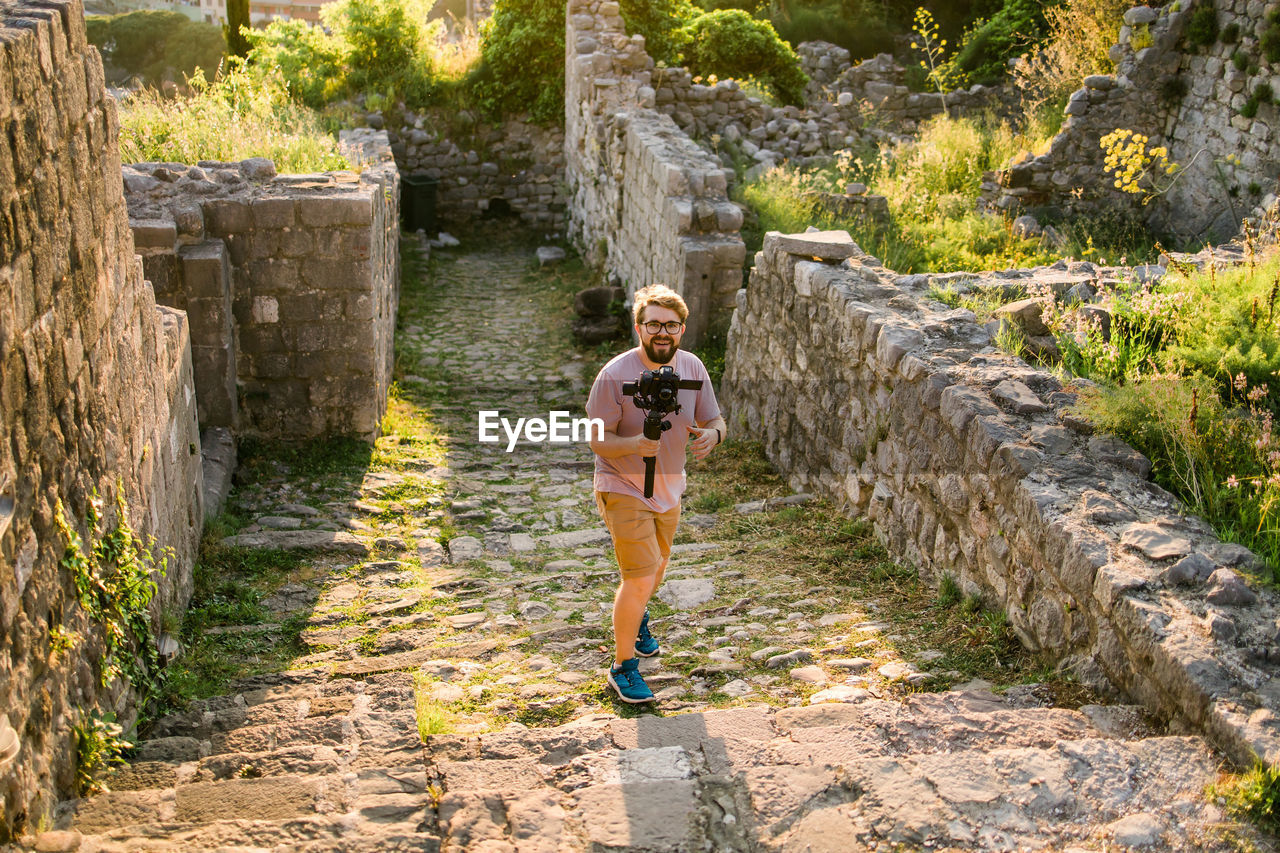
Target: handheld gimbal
[656, 392]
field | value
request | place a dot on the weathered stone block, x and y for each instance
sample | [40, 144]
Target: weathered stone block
[273, 212]
[328, 211]
[154, 234]
[227, 216]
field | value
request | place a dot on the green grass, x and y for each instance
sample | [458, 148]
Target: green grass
[232, 118]
[1253, 796]
[341, 456]
[816, 545]
[230, 584]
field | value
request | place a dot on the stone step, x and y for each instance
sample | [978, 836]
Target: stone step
[398, 823]
[1082, 791]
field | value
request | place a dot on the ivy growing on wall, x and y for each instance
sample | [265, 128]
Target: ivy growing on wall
[113, 577]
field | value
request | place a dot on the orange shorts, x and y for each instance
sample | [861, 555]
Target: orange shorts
[641, 536]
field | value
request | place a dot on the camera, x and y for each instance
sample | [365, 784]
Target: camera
[657, 393]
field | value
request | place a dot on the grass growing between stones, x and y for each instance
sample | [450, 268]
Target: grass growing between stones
[230, 585]
[1253, 796]
[827, 563]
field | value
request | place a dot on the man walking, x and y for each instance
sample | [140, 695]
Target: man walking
[642, 528]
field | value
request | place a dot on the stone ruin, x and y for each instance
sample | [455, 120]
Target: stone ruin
[283, 295]
[971, 463]
[97, 390]
[140, 306]
[1191, 100]
[290, 284]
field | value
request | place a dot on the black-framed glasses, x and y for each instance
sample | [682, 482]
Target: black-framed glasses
[653, 327]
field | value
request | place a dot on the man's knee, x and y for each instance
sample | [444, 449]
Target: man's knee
[639, 584]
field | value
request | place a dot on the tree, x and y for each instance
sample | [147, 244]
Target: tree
[156, 45]
[237, 21]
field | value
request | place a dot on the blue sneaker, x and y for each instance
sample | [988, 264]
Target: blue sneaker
[646, 645]
[625, 678]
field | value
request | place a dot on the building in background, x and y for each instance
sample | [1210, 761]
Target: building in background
[262, 12]
[191, 9]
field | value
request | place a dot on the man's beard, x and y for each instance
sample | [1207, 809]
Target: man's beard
[669, 351]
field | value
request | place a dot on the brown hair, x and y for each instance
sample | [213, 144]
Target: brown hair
[660, 295]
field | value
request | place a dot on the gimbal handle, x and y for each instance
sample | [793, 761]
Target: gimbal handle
[654, 427]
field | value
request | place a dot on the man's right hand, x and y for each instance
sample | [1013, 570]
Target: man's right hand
[646, 446]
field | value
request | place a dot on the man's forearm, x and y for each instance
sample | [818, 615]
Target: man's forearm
[719, 425]
[612, 445]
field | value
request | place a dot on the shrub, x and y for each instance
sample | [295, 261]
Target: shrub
[730, 43]
[1202, 28]
[862, 27]
[988, 46]
[387, 45]
[1230, 33]
[156, 46]
[306, 57]
[661, 22]
[1239, 59]
[381, 47]
[522, 60]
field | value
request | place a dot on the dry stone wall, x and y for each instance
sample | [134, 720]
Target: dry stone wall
[515, 168]
[291, 283]
[645, 199]
[1190, 99]
[845, 106]
[95, 390]
[970, 463]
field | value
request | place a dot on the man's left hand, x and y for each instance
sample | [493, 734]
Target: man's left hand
[702, 440]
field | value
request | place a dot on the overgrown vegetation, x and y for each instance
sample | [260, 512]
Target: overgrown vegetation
[1187, 370]
[361, 47]
[114, 580]
[730, 43]
[522, 60]
[727, 41]
[238, 115]
[931, 184]
[100, 747]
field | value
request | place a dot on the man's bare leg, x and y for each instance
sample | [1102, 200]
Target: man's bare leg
[628, 609]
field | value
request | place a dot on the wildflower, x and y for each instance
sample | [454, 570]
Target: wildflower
[1232, 482]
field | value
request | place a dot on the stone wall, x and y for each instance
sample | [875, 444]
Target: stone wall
[845, 106]
[291, 283]
[1191, 100]
[970, 463]
[95, 390]
[645, 199]
[515, 168]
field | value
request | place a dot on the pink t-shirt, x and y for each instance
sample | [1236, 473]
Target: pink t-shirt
[625, 474]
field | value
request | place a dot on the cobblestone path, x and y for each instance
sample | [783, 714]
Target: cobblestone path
[451, 696]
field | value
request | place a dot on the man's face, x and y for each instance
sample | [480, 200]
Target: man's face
[660, 346]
